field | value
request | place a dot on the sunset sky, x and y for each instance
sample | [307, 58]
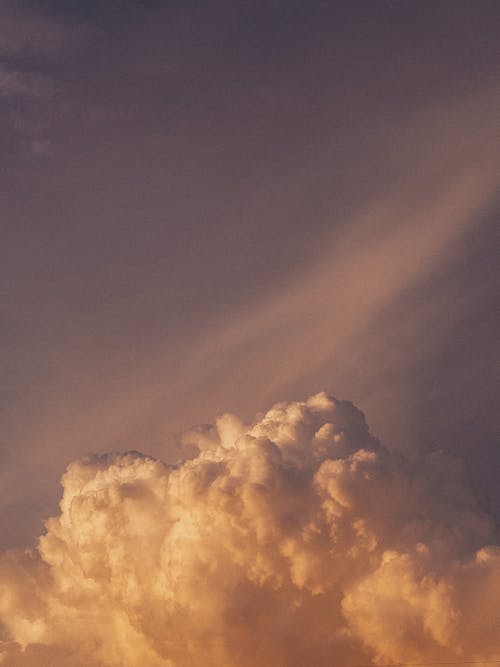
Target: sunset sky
[210, 208]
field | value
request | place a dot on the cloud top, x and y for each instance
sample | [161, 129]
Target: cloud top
[296, 540]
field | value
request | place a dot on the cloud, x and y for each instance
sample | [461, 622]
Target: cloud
[296, 540]
[28, 31]
[16, 83]
[34, 45]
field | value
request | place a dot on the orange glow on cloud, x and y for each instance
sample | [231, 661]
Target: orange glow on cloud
[297, 540]
[211, 206]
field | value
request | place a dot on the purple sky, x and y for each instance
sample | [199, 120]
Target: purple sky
[214, 206]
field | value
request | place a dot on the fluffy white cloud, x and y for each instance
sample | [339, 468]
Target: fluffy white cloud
[295, 541]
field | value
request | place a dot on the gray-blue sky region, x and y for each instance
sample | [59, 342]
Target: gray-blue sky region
[215, 206]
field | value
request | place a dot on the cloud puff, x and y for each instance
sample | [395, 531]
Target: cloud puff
[297, 540]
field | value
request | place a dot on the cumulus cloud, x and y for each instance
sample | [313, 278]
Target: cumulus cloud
[297, 540]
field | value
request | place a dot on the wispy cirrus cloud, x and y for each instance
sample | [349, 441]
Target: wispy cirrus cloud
[32, 42]
[22, 84]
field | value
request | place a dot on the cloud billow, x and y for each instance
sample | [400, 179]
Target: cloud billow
[297, 540]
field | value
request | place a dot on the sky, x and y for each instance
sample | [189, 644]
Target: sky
[212, 208]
